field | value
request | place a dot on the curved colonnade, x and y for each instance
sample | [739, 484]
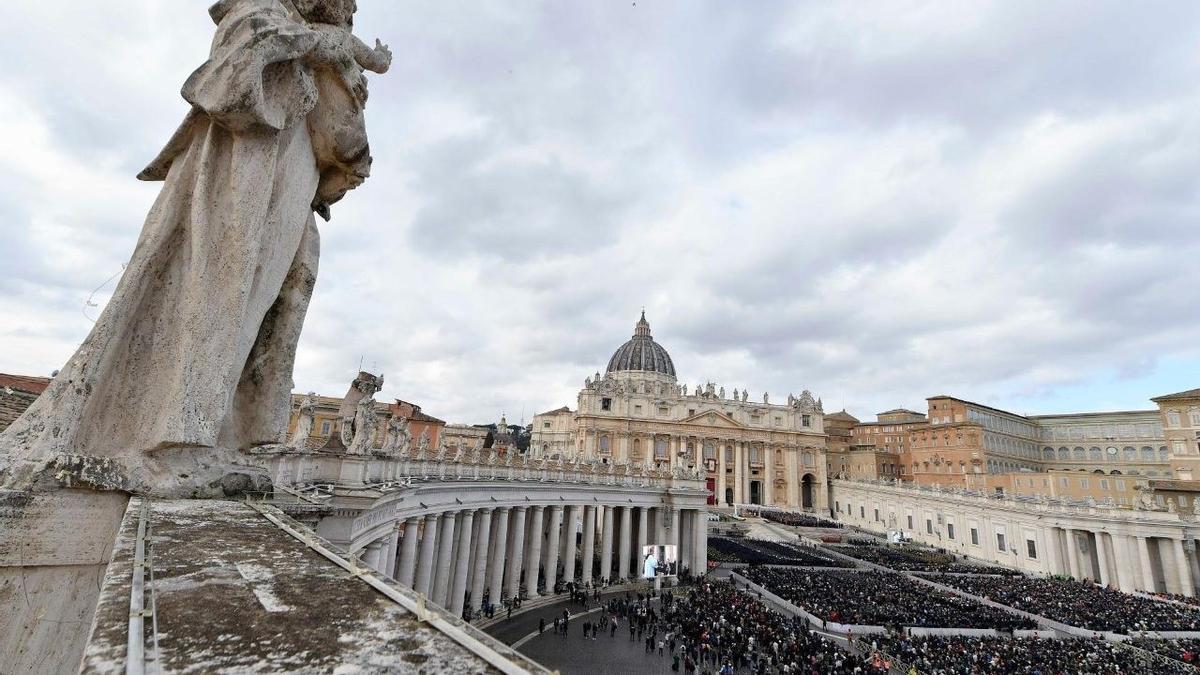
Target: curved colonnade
[458, 532]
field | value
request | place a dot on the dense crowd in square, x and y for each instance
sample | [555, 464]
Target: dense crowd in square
[955, 655]
[1184, 651]
[915, 559]
[762, 552]
[713, 628]
[1077, 603]
[792, 518]
[879, 599]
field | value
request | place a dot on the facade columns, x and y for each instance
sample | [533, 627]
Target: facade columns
[499, 560]
[516, 552]
[1072, 555]
[1053, 554]
[768, 491]
[428, 553]
[458, 590]
[479, 573]
[739, 451]
[720, 474]
[606, 545]
[389, 567]
[371, 555]
[552, 548]
[533, 556]
[673, 535]
[569, 546]
[408, 552]
[1143, 544]
[589, 543]
[625, 538]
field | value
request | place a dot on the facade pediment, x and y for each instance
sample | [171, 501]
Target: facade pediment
[713, 418]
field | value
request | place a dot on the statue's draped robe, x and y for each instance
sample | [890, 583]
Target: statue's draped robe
[197, 344]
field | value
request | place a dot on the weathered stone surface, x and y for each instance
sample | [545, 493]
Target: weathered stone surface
[236, 594]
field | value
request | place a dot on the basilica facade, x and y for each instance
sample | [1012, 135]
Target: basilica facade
[638, 414]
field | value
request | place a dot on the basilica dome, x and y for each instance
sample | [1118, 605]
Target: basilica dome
[642, 354]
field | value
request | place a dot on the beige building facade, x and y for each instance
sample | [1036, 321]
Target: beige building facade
[637, 413]
[1180, 416]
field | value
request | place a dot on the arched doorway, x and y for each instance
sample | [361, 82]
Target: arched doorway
[806, 491]
[729, 496]
[756, 492]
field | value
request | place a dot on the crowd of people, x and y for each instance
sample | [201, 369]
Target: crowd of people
[956, 654]
[1184, 651]
[793, 518]
[762, 552]
[910, 558]
[879, 599]
[1077, 603]
[715, 629]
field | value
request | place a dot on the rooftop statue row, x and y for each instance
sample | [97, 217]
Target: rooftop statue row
[616, 385]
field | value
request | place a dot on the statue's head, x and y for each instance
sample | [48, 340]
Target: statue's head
[336, 12]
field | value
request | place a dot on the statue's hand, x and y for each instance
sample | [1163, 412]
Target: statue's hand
[383, 54]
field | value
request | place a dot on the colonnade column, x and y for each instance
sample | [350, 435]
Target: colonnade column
[1073, 555]
[516, 551]
[1102, 557]
[442, 569]
[458, 590]
[569, 547]
[499, 554]
[606, 543]
[768, 491]
[479, 574]
[643, 527]
[700, 544]
[674, 534]
[739, 450]
[389, 567]
[552, 548]
[428, 554]
[533, 557]
[371, 554]
[1053, 554]
[589, 543]
[625, 538]
[1143, 545]
[408, 552]
[1125, 577]
[1182, 568]
[721, 474]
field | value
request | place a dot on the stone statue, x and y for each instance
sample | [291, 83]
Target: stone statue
[304, 421]
[190, 363]
[423, 444]
[700, 390]
[766, 398]
[508, 457]
[735, 393]
[1171, 508]
[397, 437]
[442, 451]
[459, 451]
[587, 382]
[710, 390]
[1146, 501]
[721, 393]
[364, 426]
[683, 389]
[745, 395]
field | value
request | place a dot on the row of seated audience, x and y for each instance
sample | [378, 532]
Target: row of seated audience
[1186, 651]
[880, 599]
[1077, 603]
[954, 654]
[720, 629]
[793, 519]
[762, 552]
[910, 558]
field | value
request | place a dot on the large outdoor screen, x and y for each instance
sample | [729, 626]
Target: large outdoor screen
[660, 560]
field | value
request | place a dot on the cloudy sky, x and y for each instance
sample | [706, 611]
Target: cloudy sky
[875, 201]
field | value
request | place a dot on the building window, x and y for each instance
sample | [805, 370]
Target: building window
[663, 411]
[1083, 483]
[837, 506]
[325, 428]
[606, 403]
[1120, 485]
[728, 454]
[1172, 418]
[1031, 549]
[637, 409]
[808, 459]
[1000, 542]
[691, 411]
[545, 425]
[806, 420]
[1195, 417]
[755, 419]
[876, 515]
[928, 526]
[1103, 483]
[974, 536]
[710, 450]
[604, 445]
[755, 455]
[660, 448]
[910, 522]
[950, 530]
[862, 512]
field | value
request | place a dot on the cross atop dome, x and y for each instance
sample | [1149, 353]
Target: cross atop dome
[642, 329]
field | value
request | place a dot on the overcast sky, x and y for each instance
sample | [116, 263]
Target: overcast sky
[878, 202]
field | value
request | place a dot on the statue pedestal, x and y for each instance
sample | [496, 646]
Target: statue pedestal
[54, 547]
[352, 471]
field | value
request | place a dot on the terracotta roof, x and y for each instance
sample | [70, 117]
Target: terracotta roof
[1190, 393]
[29, 383]
[1191, 485]
[13, 402]
[557, 411]
[843, 416]
[901, 410]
